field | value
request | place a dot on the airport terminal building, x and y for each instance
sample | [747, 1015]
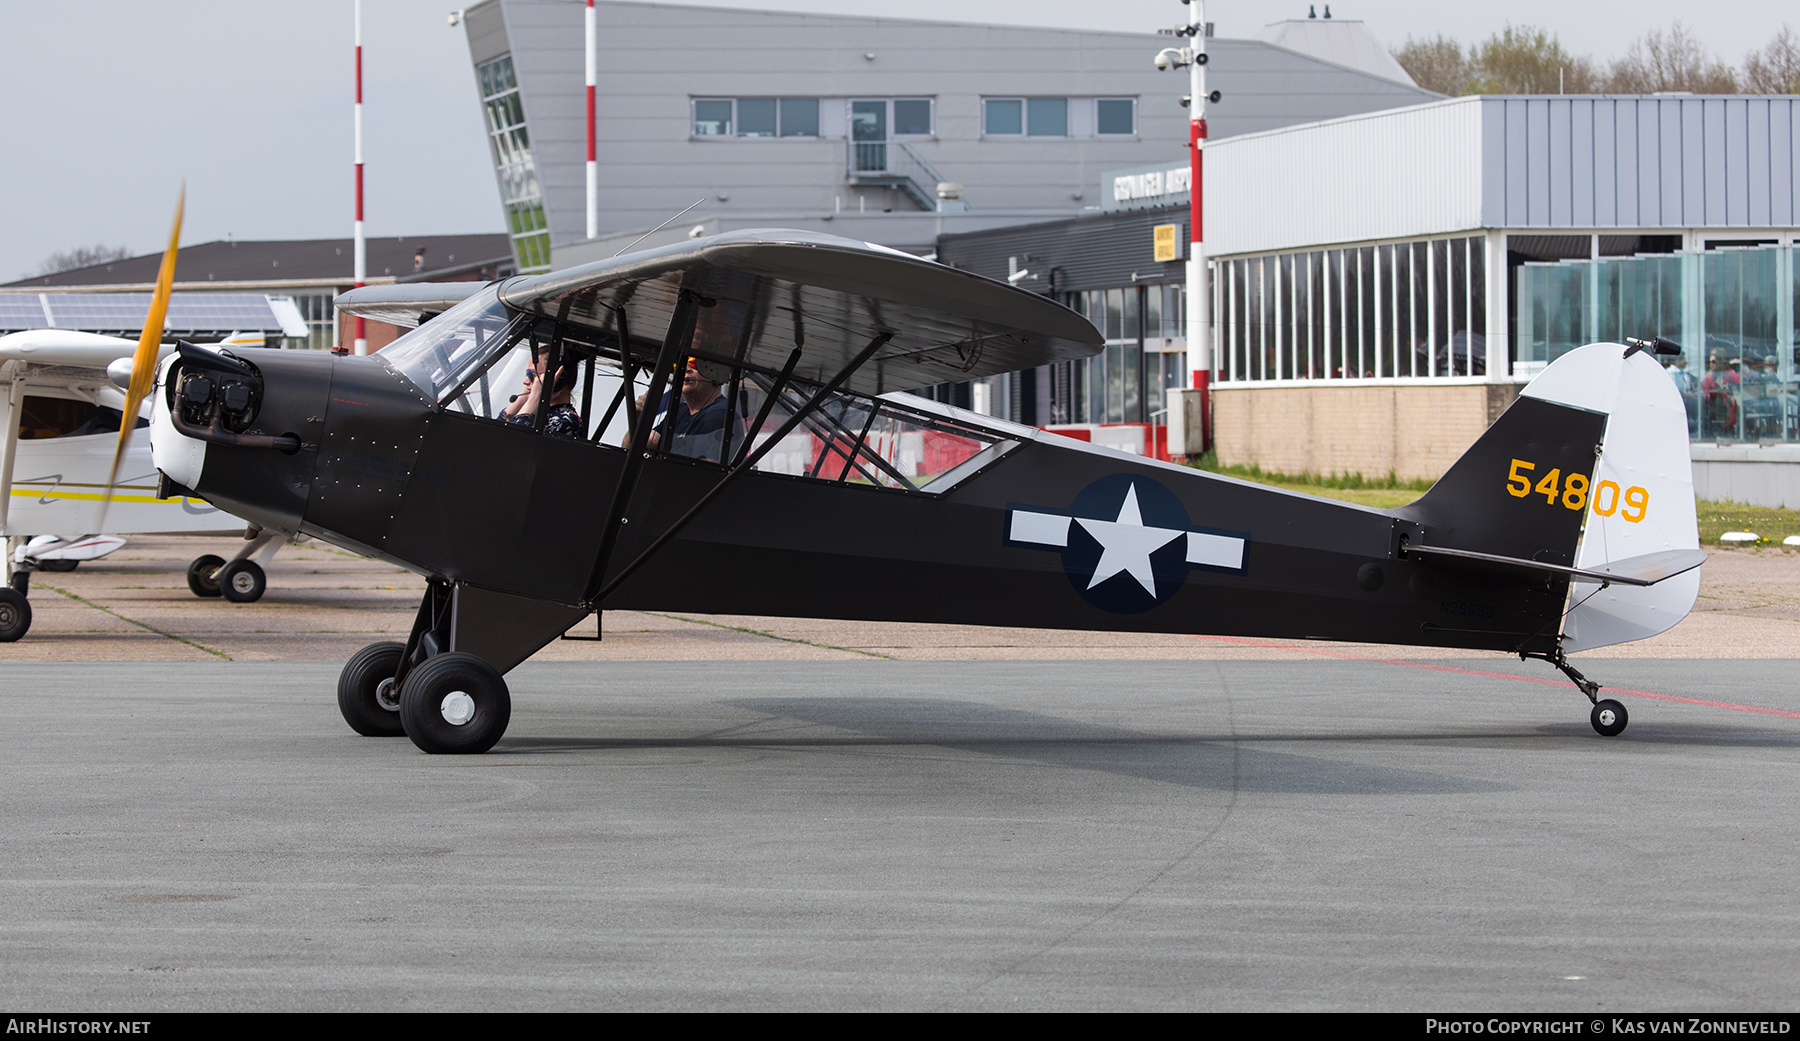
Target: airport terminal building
[849, 125]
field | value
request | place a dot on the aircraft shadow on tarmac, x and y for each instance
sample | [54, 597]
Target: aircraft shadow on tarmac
[1213, 762]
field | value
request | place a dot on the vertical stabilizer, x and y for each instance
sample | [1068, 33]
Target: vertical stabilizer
[1641, 495]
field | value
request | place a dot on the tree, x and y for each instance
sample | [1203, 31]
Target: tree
[1528, 60]
[1517, 60]
[82, 256]
[1675, 61]
[1777, 69]
[1435, 64]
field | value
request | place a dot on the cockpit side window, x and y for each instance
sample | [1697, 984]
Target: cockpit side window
[881, 442]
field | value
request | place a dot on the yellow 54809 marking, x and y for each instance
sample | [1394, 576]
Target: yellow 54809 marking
[1573, 492]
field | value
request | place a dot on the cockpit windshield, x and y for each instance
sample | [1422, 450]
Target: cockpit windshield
[438, 354]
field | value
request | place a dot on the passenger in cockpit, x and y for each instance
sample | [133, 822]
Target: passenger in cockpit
[699, 427]
[562, 420]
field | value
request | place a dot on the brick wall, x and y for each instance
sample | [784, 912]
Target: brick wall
[1413, 431]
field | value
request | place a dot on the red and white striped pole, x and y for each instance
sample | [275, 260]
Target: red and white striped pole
[1199, 286]
[362, 260]
[593, 170]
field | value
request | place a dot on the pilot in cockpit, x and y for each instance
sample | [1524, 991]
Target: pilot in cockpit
[562, 420]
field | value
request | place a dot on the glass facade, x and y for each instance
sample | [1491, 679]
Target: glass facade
[1145, 355]
[1392, 310]
[1733, 310]
[511, 142]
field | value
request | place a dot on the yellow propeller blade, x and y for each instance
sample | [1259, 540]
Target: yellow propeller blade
[143, 361]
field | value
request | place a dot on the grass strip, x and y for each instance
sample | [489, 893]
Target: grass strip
[134, 621]
[773, 636]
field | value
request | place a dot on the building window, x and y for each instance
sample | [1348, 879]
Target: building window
[912, 117]
[1004, 116]
[1047, 117]
[799, 117]
[1394, 310]
[756, 117]
[712, 118]
[514, 166]
[1115, 116]
[1039, 116]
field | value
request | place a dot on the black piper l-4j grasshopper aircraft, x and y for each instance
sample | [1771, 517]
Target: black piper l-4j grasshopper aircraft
[772, 466]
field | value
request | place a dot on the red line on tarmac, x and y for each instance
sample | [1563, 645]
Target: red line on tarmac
[1242, 641]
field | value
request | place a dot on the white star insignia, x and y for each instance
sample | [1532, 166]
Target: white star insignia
[1126, 543]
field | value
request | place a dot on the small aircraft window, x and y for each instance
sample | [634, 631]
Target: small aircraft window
[880, 442]
[42, 418]
[440, 353]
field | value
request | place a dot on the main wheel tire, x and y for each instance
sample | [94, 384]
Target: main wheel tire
[203, 575]
[360, 690]
[59, 566]
[455, 704]
[1609, 718]
[243, 582]
[15, 614]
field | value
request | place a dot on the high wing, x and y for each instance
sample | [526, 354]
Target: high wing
[772, 291]
[406, 305]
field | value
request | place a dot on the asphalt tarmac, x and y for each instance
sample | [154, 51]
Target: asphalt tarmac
[1328, 833]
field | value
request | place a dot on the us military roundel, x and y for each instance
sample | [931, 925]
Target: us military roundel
[1126, 542]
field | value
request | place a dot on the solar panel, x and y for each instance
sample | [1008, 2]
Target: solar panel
[125, 312]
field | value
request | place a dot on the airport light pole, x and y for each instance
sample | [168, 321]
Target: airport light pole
[593, 171]
[1199, 284]
[361, 247]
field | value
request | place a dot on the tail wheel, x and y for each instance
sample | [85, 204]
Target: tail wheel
[203, 575]
[366, 690]
[1609, 718]
[243, 582]
[455, 704]
[15, 614]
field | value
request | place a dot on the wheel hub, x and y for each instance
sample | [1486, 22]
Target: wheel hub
[387, 695]
[242, 582]
[457, 708]
[1608, 717]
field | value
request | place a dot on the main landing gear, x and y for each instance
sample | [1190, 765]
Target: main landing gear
[449, 702]
[1608, 717]
[241, 579]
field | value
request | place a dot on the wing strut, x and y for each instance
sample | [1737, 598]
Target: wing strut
[674, 347]
[15, 400]
[749, 461]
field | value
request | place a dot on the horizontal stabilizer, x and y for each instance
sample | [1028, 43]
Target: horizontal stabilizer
[1646, 570]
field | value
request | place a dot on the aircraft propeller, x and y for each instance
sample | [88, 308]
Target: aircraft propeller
[143, 362]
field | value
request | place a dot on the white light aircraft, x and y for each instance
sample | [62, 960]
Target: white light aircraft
[61, 407]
